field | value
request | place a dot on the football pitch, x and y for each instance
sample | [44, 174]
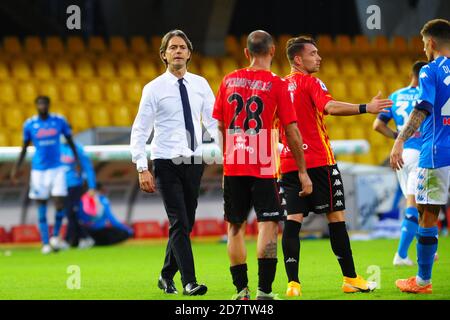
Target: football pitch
[130, 271]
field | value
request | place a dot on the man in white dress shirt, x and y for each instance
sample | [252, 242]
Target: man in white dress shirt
[174, 105]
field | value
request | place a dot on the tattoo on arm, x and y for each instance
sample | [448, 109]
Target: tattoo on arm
[415, 120]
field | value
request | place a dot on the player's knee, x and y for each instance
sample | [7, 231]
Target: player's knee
[336, 216]
[235, 229]
[298, 217]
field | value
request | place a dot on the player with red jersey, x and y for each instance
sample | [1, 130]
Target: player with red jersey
[312, 102]
[249, 105]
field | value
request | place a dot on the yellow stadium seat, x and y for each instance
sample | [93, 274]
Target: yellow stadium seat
[155, 42]
[61, 109]
[378, 85]
[357, 90]
[4, 139]
[42, 70]
[96, 44]
[367, 158]
[325, 44]
[12, 45]
[13, 118]
[92, 92]
[50, 89]
[27, 92]
[121, 116]
[84, 69]
[361, 44]
[79, 118]
[7, 92]
[395, 84]
[33, 45]
[71, 92]
[337, 132]
[99, 116]
[380, 45]
[16, 138]
[113, 91]
[105, 69]
[329, 67]
[138, 45]
[368, 67]
[232, 46]
[54, 45]
[282, 39]
[338, 89]
[381, 157]
[147, 69]
[118, 45]
[126, 69]
[63, 70]
[388, 67]
[229, 65]
[357, 131]
[75, 45]
[133, 91]
[416, 45]
[405, 66]
[343, 44]
[398, 45]
[29, 110]
[20, 70]
[349, 68]
[210, 68]
[4, 71]
[346, 158]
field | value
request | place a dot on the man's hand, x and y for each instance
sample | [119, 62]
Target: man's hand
[147, 182]
[396, 159]
[306, 183]
[377, 105]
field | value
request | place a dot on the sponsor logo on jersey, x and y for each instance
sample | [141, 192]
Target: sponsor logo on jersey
[42, 133]
[322, 85]
[270, 214]
[322, 207]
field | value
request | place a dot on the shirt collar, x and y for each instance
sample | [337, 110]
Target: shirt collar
[174, 80]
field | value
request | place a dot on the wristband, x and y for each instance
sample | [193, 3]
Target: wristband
[363, 108]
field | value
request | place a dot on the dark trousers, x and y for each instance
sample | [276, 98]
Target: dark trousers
[75, 231]
[108, 236]
[179, 186]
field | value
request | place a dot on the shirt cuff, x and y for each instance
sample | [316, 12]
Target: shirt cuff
[142, 162]
[424, 105]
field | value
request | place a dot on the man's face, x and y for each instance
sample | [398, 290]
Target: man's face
[309, 58]
[177, 53]
[428, 47]
[42, 107]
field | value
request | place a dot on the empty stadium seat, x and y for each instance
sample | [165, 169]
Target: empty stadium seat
[96, 44]
[54, 45]
[121, 116]
[4, 141]
[33, 45]
[13, 118]
[4, 71]
[337, 132]
[210, 68]
[99, 116]
[133, 89]
[377, 85]
[338, 89]
[92, 91]
[361, 45]
[349, 68]
[388, 67]
[147, 230]
[155, 42]
[416, 45]
[208, 227]
[357, 90]
[84, 69]
[105, 68]
[63, 70]
[325, 44]
[368, 67]
[71, 92]
[329, 67]
[147, 69]
[25, 233]
[79, 118]
[357, 131]
[380, 45]
[7, 92]
[113, 91]
[27, 91]
[42, 70]
[398, 45]
[126, 69]
[20, 69]
[12, 45]
[118, 45]
[343, 44]
[229, 65]
[16, 138]
[138, 45]
[50, 89]
[232, 46]
[75, 45]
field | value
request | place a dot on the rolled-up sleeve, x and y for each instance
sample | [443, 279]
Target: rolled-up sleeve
[142, 128]
[207, 112]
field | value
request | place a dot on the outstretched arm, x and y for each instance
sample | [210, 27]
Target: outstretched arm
[339, 108]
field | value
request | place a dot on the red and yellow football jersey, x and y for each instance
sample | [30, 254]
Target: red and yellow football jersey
[310, 98]
[249, 104]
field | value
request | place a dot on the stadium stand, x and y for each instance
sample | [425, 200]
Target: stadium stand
[97, 82]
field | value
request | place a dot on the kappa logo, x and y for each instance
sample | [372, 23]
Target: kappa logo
[292, 260]
[339, 203]
[337, 183]
[339, 193]
[335, 172]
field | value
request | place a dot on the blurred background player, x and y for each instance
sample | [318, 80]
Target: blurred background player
[432, 112]
[47, 173]
[248, 179]
[311, 102]
[99, 220]
[403, 103]
[76, 234]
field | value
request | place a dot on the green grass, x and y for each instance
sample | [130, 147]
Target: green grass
[130, 271]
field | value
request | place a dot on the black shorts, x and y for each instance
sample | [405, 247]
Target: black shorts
[327, 195]
[241, 193]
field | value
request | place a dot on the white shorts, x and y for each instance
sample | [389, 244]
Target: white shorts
[407, 176]
[432, 185]
[46, 183]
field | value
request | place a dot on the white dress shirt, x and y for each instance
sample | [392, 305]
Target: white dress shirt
[161, 110]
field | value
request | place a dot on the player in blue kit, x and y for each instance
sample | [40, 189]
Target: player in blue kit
[76, 234]
[404, 101]
[47, 174]
[432, 111]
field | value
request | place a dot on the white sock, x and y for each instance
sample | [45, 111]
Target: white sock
[422, 282]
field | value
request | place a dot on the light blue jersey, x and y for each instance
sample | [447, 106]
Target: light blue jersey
[45, 136]
[434, 97]
[404, 101]
[73, 178]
